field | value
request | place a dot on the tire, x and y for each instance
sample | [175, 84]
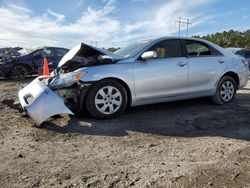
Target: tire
[106, 99]
[226, 91]
[19, 72]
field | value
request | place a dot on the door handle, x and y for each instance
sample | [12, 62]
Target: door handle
[221, 61]
[181, 64]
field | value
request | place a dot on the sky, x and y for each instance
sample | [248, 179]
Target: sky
[107, 23]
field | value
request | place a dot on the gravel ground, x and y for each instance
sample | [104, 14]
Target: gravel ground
[179, 144]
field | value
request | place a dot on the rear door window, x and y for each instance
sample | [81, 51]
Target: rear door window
[168, 49]
[196, 48]
[241, 53]
[247, 54]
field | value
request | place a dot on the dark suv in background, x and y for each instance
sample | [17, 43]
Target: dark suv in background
[24, 65]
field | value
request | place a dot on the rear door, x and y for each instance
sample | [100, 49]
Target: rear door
[166, 75]
[206, 65]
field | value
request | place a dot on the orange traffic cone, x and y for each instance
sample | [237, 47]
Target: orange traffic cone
[46, 67]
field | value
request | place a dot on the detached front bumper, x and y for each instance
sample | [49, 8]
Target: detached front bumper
[40, 102]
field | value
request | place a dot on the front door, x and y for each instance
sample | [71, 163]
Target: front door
[37, 58]
[166, 75]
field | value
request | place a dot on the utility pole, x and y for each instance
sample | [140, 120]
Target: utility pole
[180, 22]
[188, 23]
[94, 43]
[179, 26]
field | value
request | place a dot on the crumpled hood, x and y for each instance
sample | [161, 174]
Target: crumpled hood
[83, 48]
[7, 55]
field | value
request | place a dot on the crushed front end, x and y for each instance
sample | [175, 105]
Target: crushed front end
[71, 89]
[63, 91]
[46, 97]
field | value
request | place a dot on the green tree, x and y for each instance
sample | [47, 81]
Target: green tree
[231, 38]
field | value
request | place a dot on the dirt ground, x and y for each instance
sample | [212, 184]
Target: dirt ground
[179, 144]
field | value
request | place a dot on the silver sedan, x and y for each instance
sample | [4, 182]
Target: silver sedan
[146, 72]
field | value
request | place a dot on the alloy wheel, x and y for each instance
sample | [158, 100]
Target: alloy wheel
[108, 100]
[227, 90]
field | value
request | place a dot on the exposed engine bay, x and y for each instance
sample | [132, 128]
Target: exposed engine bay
[74, 95]
[86, 56]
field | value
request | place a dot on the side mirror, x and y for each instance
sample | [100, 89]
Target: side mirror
[149, 55]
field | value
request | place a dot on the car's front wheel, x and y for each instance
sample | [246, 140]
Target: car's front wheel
[226, 91]
[106, 99]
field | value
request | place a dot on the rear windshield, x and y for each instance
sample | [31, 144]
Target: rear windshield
[240, 53]
[247, 54]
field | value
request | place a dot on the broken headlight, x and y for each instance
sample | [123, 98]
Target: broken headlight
[68, 78]
[72, 77]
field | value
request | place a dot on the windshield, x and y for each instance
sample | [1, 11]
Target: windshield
[131, 49]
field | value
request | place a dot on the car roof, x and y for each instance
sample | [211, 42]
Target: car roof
[54, 47]
[176, 37]
[234, 49]
[237, 49]
[222, 50]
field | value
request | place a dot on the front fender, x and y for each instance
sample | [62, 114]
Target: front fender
[123, 72]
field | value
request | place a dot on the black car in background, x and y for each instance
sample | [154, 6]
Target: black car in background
[24, 65]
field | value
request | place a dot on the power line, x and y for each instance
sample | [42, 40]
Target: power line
[187, 23]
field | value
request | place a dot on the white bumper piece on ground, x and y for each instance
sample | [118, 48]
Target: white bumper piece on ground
[40, 102]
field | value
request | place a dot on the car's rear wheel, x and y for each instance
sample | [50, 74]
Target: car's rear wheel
[19, 72]
[226, 91]
[106, 99]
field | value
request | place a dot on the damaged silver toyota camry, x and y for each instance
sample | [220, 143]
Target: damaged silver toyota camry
[146, 72]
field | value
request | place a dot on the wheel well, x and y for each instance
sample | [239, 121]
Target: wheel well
[25, 65]
[234, 76]
[129, 95]
[28, 67]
